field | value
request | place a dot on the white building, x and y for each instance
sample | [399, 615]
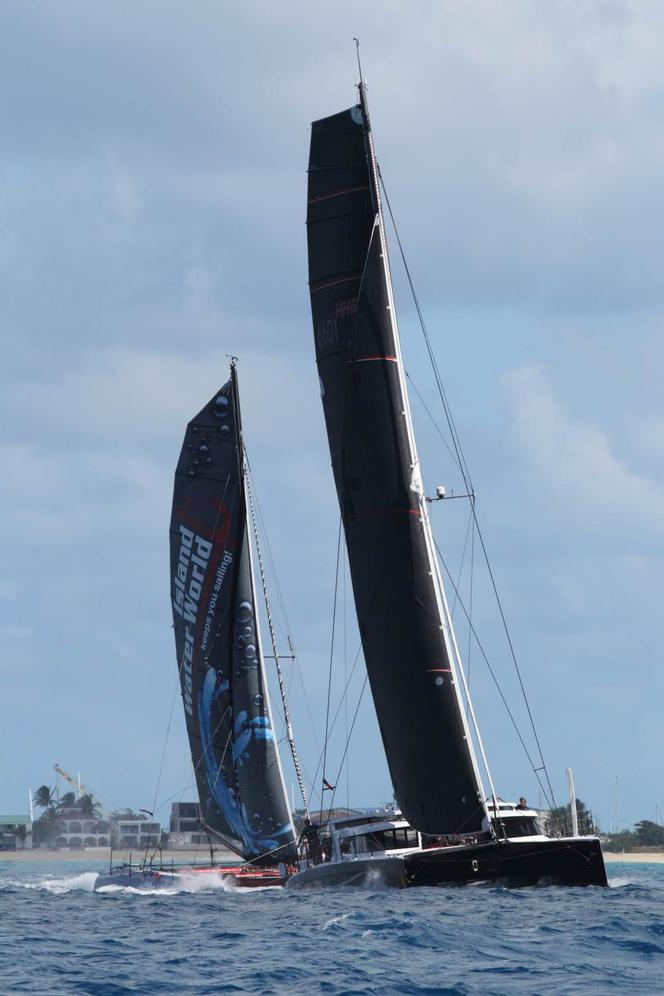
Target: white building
[77, 831]
[130, 832]
[15, 832]
[185, 826]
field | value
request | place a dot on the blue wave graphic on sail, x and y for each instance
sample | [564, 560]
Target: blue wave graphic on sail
[245, 730]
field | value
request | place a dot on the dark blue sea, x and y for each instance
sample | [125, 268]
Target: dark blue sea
[58, 936]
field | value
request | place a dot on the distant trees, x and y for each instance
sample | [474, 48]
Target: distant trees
[88, 807]
[44, 797]
[646, 833]
[559, 819]
[649, 834]
[624, 840]
[46, 829]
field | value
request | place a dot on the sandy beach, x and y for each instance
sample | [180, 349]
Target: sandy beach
[635, 857]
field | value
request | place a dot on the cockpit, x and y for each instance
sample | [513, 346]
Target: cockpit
[510, 820]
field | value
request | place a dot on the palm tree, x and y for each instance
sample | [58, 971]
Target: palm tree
[44, 797]
[88, 807]
[21, 833]
[45, 828]
[67, 800]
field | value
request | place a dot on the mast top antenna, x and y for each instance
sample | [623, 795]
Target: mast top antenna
[359, 64]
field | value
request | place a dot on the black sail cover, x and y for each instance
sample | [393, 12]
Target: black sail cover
[377, 482]
[233, 747]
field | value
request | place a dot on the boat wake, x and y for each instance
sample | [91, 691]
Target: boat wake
[83, 882]
[185, 884]
[620, 881]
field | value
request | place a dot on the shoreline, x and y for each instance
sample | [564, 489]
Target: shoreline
[103, 854]
[634, 858]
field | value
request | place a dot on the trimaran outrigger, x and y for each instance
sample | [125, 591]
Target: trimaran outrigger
[447, 828]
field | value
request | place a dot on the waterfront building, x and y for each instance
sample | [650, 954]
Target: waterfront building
[129, 831]
[76, 830]
[15, 832]
[185, 826]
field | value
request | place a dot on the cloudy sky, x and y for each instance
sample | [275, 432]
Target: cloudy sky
[152, 205]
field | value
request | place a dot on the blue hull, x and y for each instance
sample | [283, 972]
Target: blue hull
[137, 878]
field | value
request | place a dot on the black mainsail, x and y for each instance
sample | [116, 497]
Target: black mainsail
[224, 689]
[403, 619]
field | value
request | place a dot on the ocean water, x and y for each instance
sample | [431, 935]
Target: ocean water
[58, 936]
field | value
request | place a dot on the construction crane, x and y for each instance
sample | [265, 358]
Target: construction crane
[76, 782]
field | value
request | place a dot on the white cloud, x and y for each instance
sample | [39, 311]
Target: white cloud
[126, 199]
[78, 492]
[8, 590]
[572, 464]
[140, 394]
[647, 438]
[26, 472]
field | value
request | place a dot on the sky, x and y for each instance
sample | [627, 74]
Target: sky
[152, 203]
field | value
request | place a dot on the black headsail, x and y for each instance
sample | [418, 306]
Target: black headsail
[398, 595]
[224, 689]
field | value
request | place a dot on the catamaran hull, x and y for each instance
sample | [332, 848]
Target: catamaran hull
[244, 877]
[570, 861]
[369, 871]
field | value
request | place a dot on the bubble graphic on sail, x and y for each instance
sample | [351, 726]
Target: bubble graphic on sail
[224, 688]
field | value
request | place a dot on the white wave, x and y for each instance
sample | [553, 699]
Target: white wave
[188, 883]
[184, 883]
[619, 881]
[335, 920]
[83, 882]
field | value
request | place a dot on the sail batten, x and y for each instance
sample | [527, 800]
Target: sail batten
[400, 606]
[215, 618]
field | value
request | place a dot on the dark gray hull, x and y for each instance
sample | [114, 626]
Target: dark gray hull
[568, 861]
[369, 871]
[571, 861]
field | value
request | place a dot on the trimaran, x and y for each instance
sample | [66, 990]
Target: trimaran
[446, 828]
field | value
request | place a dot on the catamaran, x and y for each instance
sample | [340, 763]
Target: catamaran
[448, 827]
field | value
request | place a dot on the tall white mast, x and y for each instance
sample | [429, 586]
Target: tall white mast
[447, 629]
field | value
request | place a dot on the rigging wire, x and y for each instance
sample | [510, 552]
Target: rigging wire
[535, 769]
[275, 581]
[329, 675]
[470, 602]
[465, 472]
[463, 561]
[166, 739]
[433, 419]
[345, 612]
[273, 639]
[348, 739]
[336, 714]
